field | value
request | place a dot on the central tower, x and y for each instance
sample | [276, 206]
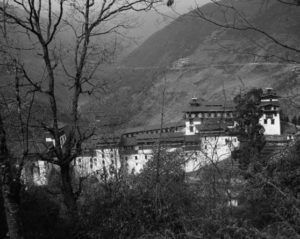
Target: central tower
[270, 119]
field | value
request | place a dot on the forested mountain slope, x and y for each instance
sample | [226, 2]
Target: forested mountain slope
[193, 57]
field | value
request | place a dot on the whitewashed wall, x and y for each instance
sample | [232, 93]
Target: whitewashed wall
[271, 129]
[213, 149]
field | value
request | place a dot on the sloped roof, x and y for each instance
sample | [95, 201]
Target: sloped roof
[208, 109]
[154, 127]
[272, 103]
[163, 137]
[192, 138]
[219, 106]
[107, 140]
[270, 95]
[129, 141]
[213, 125]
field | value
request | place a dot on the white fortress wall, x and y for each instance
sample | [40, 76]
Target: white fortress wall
[213, 149]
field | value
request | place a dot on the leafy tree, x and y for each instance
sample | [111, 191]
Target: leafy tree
[270, 200]
[128, 208]
[294, 120]
[250, 132]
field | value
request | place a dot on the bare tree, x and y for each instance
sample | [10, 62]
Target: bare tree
[15, 148]
[87, 19]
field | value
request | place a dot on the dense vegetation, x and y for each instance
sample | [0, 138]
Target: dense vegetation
[249, 196]
[166, 203]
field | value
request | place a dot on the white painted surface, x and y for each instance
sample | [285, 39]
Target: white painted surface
[188, 125]
[271, 129]
[213, 150]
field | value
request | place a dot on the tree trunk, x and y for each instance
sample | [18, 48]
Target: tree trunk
[11, 198]
[10, 187]
[67, 190]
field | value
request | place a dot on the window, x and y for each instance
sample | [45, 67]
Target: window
[191, 129]
[136, 157]
[191, 121]
[265, 121]
[205, 146]
[126, 158]
[145, 156]
[272, 121]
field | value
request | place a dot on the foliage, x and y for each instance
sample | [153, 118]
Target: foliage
[295, 120]
[270, 201]
[3, 228]
[249, 130]
[40, 214]
[138, 206]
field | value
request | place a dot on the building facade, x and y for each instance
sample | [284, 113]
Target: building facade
[207, 134]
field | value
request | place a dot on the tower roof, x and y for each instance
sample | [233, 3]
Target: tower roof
[269, 93]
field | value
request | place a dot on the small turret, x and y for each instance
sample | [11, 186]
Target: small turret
[194, 101]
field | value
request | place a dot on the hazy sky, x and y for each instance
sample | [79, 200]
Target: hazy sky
[150, 22]
[183, 6]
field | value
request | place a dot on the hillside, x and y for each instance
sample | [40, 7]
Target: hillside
[192, 57]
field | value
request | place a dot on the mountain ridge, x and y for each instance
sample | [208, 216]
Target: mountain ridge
[219, 62]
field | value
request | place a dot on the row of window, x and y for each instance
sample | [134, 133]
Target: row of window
[157, 131]
[266, 121]
[136, 157]
[210, 115]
